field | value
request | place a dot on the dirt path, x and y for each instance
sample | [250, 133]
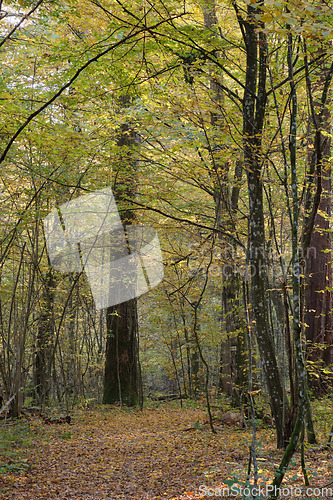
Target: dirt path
[117, 454]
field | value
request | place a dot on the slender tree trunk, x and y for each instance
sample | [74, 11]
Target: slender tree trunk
[71, 356]
[254, 104]
[44, 341]
[225, 211]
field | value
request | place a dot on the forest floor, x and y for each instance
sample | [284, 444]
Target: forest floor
[162, 452]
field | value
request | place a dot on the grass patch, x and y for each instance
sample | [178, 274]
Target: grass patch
[15, 441]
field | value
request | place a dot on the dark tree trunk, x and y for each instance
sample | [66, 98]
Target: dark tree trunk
[233, 365]
[318, 295]
[254, 104]
[121, 375]
[44, 341]
[121, 363]
[318, 271]
[317, 240]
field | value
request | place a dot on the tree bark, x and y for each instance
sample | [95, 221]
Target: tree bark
[318, 253]
[121, 374]
[254, 104]
[121, 357]
[44, 342]
[231, 374]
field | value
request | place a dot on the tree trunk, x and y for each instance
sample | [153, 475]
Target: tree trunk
[121, 363]
[121, 375]
[44, 342]
[318, 270]
[225, 211]
[254, 104]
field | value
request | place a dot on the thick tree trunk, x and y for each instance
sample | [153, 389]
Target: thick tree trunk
[233, 367]
[317, 244]
[121, 375]
[121, 363]
[318, 272]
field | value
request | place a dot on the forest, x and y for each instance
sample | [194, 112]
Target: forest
[206, 126]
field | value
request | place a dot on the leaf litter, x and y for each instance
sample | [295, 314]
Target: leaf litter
[117, 453]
